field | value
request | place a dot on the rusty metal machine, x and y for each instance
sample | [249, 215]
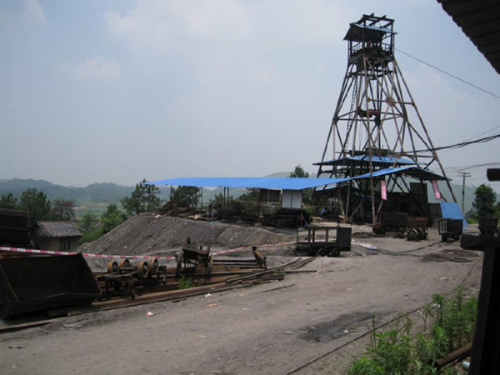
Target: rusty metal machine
[13, 228]
[325, 241]
[450, 228]
[191, 257]
[123, 277]
[259, 261]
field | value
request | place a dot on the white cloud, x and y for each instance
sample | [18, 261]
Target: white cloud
[97, 69]
[208, 19]
[161, 24]
[33, 11]
[454, 113]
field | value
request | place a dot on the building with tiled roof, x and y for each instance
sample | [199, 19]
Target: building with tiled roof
[56, 235]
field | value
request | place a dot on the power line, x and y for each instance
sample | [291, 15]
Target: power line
[449, 74]
[477, 136]
[463, 144]
[459, 169]
[486, 132]
[480, 165]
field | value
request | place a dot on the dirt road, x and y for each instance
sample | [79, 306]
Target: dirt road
[274, 328]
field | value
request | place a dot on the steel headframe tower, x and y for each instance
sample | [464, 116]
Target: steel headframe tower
[376, 115]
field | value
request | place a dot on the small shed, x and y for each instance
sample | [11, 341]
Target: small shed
[56, 235]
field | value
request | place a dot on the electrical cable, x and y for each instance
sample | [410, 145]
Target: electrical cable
[459, 169]
[462, 144]
[449, 74]
[486, 132]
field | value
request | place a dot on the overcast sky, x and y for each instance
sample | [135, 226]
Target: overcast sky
[121, 90]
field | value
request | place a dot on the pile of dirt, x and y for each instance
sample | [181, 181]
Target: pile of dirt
[155, 234]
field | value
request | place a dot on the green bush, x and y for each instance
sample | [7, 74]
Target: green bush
[185, 283]
[399, 352]
[92, 235]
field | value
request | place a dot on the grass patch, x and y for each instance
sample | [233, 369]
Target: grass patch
[279, 272]
[185, 283]
[448, 325]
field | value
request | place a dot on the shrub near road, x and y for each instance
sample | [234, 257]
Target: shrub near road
[397, 351]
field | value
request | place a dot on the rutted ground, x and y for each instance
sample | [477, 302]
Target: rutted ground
[273, 328]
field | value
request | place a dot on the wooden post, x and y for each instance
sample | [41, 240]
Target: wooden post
[485, 358]
[464, 174]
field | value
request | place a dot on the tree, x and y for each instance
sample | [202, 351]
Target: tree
[88, 222]
[299, 172]
[112, 218]
[250, 201]
[484, 203]
[185, 196]
[251, 195]
[63, 210]
[36, 204]
[8, 201]
[143, 199]
[230, 205]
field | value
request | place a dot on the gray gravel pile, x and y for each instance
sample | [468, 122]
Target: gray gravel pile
[154, 234]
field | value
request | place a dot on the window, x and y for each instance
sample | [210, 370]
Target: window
[65, 243]
[270, 196]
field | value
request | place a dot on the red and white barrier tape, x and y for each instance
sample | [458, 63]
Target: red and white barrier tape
[50, 252]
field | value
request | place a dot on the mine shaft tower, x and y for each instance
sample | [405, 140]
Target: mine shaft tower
[376, 123]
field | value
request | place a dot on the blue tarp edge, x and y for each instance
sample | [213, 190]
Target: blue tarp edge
[451, 210]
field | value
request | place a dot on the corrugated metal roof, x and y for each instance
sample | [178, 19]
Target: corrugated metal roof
[286, 183]
[480, 21]
[363, 33]
[59, 228]
[451, 210]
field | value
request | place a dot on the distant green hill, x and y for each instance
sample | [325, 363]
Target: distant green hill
[98, 192]
[94, 197]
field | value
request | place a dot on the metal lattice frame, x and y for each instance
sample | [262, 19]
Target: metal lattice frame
[382, 117]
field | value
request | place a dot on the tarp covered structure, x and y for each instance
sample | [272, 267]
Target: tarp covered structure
[409, 170]
[285, 183]
[292, 183]
[451, 210]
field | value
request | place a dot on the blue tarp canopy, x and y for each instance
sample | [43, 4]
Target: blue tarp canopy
[451, 210]
[290, 183]
[285, 183]
[409, 170]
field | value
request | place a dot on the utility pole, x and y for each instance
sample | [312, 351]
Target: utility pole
[463, 174]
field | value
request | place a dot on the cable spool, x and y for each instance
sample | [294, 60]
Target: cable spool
[113, 266]
[153, 266]
[142, 269]
[413, 235]
[379, 228]
[422, 235]
[125, 263]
